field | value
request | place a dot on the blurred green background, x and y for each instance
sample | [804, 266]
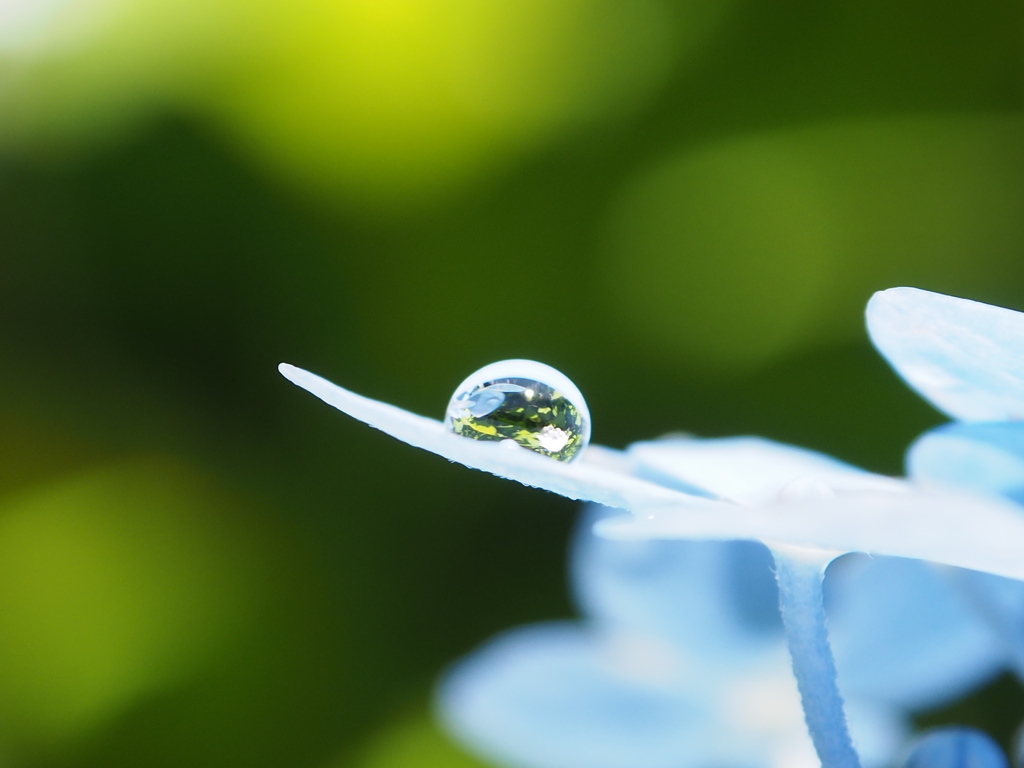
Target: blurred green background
[682, 205]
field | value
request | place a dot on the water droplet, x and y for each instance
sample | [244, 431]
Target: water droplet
[525, 401]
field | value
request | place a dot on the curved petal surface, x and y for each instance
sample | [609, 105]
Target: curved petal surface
[747, 470]
[978, 532]
[984, 534]
[965, 357]
[598, 475]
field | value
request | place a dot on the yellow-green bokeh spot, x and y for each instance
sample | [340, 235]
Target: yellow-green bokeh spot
[731, 255]
[114, 585]
[415, 742]
[379, 100]
[400, 98]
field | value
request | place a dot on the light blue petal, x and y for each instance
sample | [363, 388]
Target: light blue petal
[986, 456]
[746, 470]
[965, 357]
[901, 632]
[562, 696]
[600, 475]
[957, 748]
[983, 533]
[713, 596]
[559, 696]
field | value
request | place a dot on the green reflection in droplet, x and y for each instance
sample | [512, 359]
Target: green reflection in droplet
[532, 413]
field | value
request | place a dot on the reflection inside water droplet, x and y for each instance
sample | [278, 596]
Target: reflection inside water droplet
[522, 400]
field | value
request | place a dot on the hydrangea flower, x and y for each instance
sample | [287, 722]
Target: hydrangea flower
[967, 359]
[807, 508]
[680, 662]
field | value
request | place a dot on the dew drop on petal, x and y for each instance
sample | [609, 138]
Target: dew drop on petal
[524, 401]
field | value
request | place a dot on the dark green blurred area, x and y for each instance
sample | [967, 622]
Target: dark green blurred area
[203, 566]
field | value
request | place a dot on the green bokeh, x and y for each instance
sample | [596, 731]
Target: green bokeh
[696, 224]
[113, 584]
[737, 252]
[413, 742]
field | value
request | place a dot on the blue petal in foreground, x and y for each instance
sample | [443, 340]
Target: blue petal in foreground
[965, 357]
[957, 748]
[600, 475]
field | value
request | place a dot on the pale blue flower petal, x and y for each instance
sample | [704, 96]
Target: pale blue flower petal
[600, 475]
[969, 531]
[965, 357]
[715, 596]
[987, 456]
[564, 696]
[901, 632]
[747, 470]
[983, 534]
[957, 748]
[560, 696]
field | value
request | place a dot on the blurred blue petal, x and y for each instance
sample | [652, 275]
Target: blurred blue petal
[716, 596]
[957, 748]
[557, 695]
[902, 633]
[1000, 602]
[567, 696]
[681, 663]
[987, 456]
[965, 357]
[561, 696]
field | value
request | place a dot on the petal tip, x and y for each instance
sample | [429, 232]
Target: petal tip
[892, 298]
[290, 372]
